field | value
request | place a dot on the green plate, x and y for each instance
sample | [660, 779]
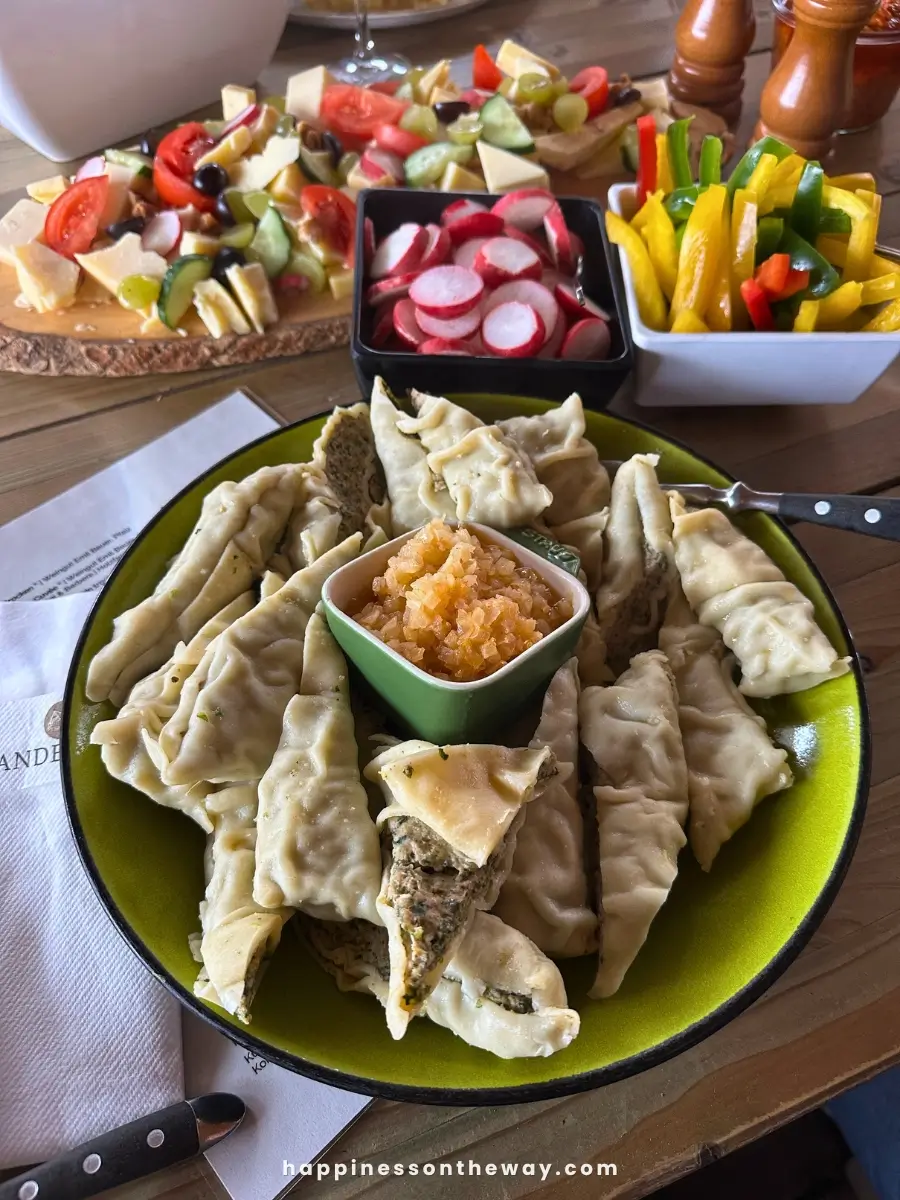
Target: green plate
[716, 946]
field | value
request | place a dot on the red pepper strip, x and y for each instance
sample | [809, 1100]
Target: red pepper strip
[757, 304]
[646, 177]
[772, 276]
[797, 281]
[485, 72]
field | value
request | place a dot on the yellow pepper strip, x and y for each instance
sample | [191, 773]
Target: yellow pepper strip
[870, 199]
[840, 305]
[836, 252]
[700, 248]
[761, 178]
[720, 313]
[853, 324]
[640, 218]
[880, 289]
[807, 315]
[777, 197]
[687, 321]
[864, 228]
[659, 236]
[887, 321]
[664, 179]
[743, 250]
[788, 171]
[852, 183]
[651, 302]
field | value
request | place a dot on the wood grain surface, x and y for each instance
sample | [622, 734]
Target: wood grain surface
[834, 1018]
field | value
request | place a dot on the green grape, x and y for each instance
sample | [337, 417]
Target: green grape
[560, 86]
[310, 268]
[239, 209]
[256, 203]
[138, 291]
[570, 112]
[405, 91]
[347, 162]
[238, 237]
[276, 102]
[535, 89]
[420, 119]
[286, 125]
[465, 130]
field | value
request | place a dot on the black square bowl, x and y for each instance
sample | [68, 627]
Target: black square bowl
[549, 379]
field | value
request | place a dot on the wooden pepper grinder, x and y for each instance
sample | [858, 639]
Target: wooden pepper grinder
[712, 39]
[807, 96]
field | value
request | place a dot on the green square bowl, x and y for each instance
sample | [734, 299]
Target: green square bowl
[439, 710]
[718, 943]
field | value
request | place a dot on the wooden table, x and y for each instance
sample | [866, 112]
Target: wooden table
[834, 1018]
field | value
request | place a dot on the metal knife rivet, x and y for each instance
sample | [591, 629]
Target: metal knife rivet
[155, 1138]
[872, 515]
[823, 507]
[28, 1190]
[92, 1164]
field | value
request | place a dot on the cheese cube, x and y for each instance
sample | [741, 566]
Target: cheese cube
[442, 95]
[253, 174]
[434, 77]
[230, 149]
[304, 94]
[264, 126]
[341, 284]
[359, 180]
[123, 258]
[504, 172]
[235, 99]
[217, 309]
[287, 185]
[45, 191]
[515, 60]
[251, 286]
[458, 179]
[48, 281]
[152, 326]
[22, 224]
[198, 243]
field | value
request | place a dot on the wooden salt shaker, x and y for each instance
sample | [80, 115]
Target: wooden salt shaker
[712, 39]
[807, 96]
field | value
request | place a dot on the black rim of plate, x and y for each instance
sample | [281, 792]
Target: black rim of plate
[565, 1085]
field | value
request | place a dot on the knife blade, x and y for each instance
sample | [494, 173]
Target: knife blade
[151, 1143]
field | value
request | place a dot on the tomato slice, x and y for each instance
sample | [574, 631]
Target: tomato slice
[353, 113]
[399, 141]
[174, 190]
[74, 217]
[181, 147]
[486, 75]
[335, 215]
[593, 84]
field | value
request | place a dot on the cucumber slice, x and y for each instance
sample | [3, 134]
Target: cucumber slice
[140, 164]
[503, 128]
[310, 268]
[256, 203]
[238, 237]
[177, 292]
[628, 147]
[239, 210]
[271, 244]
[318, 165]
[428, 164]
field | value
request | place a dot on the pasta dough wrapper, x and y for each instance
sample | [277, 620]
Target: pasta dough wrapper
[631, 730]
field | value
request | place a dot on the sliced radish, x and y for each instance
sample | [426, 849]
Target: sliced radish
[246, 117]
[525, 209]
[292, 283]
[377, 163]
[528, 291]
[513, 330]
[559, 239]
[526, 239]
[406, 326]
[476, 346]
[551, 277]
[586, 339]
[382, 326]
[400, 252]
[457, 328]
[502, 260]
[442, 346]
[93, 167]
[568, 302]
[461, 208]
[162, 233]
[553, 344]
[476, 98]
[394, 288]
[472, 225]
[465, 255]
[438, 249]
[447, 292]
[368, 242]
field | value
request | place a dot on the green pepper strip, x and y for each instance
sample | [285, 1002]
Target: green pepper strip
[711, 160]
[823, 278]
[807, 206]
[834, 220]
[769, 234]
[742, 172]
[678, 204]
[679, 158]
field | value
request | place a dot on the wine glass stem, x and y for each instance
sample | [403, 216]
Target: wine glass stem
[364, 43]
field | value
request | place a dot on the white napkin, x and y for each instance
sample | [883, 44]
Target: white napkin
[88, 1039]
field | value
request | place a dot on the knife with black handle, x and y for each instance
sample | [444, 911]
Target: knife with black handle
[132, 1151]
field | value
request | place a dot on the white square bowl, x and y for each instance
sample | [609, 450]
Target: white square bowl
[677, 370]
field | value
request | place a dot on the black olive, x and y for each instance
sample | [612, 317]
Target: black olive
[225, 258]
[210, 179]
[627, 95]
[447, 111]
[149, 143]
[333, 146]
[132, 225]
[224, 215]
